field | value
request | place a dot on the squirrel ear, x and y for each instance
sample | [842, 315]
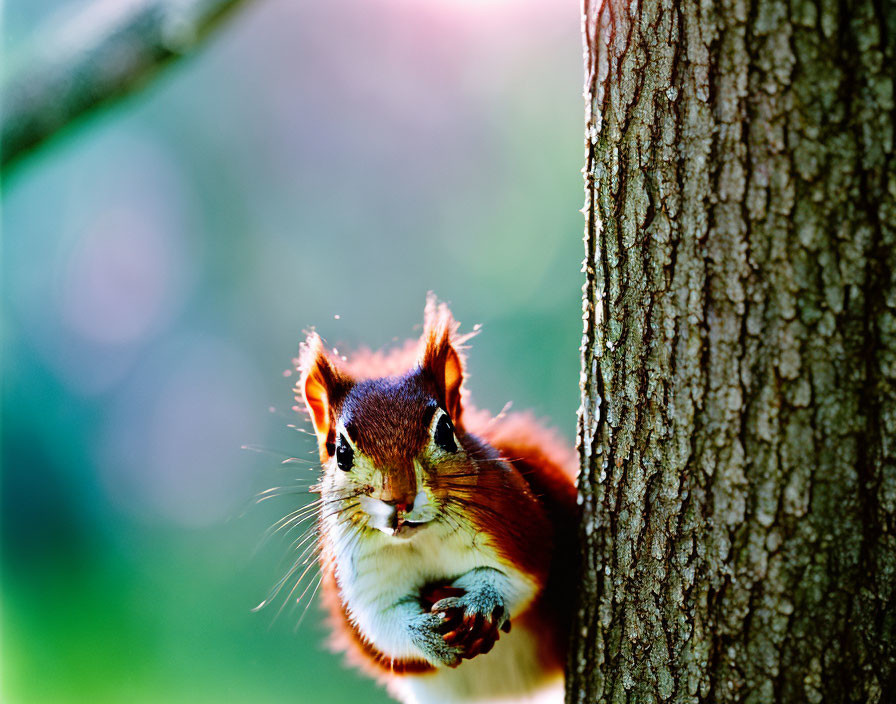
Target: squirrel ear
[441, 357]
[322, 386]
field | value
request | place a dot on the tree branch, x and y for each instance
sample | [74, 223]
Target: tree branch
[108, 52]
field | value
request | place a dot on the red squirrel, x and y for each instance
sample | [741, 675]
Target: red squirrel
[447, 537]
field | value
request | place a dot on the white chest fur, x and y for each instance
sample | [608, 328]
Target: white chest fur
[510, 673]
[375, 572]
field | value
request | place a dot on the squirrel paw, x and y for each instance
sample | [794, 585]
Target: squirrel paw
[472, 621]
[427, 631]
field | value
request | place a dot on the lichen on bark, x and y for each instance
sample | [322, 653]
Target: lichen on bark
[738, 420]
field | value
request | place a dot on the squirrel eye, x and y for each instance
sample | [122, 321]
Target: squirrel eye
[444, 434]
[345, 455]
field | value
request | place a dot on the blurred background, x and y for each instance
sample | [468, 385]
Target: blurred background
[314, 164]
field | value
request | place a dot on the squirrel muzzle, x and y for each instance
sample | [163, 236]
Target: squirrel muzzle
[399, 507]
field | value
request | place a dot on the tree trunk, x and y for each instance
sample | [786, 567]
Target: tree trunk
[738, 426]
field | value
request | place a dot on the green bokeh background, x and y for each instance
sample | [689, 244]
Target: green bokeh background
[159, 265]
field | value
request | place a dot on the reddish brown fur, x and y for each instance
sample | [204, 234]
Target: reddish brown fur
[549, 467]
[521, 492]
[368, 364]
[323, 386]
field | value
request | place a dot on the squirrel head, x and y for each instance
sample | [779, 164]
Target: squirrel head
[389, 439]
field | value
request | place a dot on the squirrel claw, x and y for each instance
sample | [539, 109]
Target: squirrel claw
[426, 632]
[468, 628]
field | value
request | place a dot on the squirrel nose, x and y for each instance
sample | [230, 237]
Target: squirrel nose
[403, 503]
[400, 488]
[400, 505]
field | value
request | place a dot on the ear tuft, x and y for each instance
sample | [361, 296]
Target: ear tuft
[442, 357]
[322, 386]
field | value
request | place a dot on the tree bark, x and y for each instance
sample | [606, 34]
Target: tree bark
[738, 426]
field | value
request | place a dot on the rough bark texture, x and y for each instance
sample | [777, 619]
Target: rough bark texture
[738, 427]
